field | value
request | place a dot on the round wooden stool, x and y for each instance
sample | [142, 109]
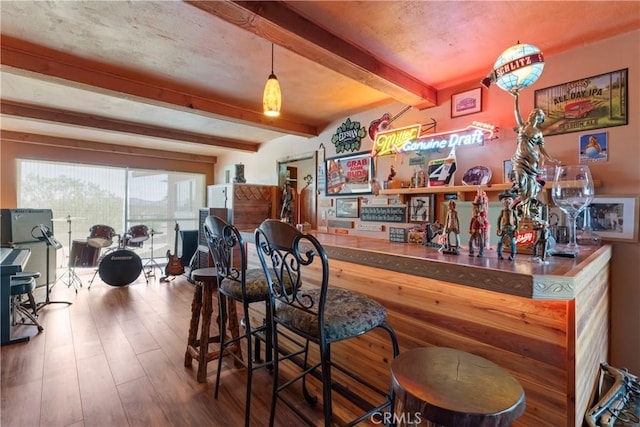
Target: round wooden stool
[452, 388]
[198, 348]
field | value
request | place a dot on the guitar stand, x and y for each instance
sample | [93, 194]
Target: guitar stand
[151, 263]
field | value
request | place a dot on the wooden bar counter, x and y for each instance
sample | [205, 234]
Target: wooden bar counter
[548, 325]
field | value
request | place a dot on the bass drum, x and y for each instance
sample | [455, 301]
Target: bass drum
[83, 255]
[120, 268]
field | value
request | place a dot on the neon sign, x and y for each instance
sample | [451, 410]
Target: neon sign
[391, 141]
[407, 140]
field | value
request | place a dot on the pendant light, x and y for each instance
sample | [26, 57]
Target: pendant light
[272, 98]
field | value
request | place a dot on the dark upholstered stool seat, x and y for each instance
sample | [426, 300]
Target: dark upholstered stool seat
[347, 314]
[206, 285]
[257, 287]
[453, 388]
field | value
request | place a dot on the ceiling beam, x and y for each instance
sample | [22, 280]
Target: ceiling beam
[106, 79]
[85, 120]
[76, 144]
[276, 22]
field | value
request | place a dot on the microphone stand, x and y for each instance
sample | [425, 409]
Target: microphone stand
[48, 238]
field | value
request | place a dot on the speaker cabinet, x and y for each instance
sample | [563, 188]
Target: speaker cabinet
[38, 261]
[16, 226]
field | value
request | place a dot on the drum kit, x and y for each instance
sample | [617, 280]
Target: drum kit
[119, 265]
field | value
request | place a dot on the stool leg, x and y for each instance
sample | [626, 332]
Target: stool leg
[207, 309]
[196, 307]
[14, 309]
[234, 328]
[32, 302]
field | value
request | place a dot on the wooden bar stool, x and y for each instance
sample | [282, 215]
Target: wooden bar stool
[451, 388]
[206, 285]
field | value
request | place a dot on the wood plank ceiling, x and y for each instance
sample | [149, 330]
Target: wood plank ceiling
[188, 76]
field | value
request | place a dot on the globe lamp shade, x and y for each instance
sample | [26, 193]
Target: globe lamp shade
[272, 98]
[516, 68]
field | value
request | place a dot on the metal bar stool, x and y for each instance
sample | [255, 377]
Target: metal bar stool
[206, 285]
[306, 309]
[451, 388]
[237, 283]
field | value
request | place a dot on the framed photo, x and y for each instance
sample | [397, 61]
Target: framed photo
[594, 147]
[421, 208]
[347, 207]
[507, 167]
[613, 217]
[468, 102]
[589, 103]
[349, 175]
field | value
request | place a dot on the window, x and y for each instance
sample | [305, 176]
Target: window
[120, 198]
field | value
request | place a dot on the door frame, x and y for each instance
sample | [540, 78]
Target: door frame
[281, 170]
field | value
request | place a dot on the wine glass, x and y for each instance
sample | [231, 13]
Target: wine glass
[572, 191]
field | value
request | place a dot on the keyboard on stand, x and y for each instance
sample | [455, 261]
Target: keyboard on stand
[12, 261]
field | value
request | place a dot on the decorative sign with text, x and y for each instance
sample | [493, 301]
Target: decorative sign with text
[589, 103]
[406, 139]
[348, 136]
[383, 213]
[389, 142]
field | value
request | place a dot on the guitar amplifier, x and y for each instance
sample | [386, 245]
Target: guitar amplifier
[203, 250]
[16, 227]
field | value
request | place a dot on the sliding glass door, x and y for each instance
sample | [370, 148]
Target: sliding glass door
[138, 205]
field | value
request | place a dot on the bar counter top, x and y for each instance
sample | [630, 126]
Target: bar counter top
[557, 279]
[547, 324]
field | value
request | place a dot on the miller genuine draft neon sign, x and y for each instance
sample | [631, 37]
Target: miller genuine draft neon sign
[407, 139]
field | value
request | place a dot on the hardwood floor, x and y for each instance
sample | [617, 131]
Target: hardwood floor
[114, 357]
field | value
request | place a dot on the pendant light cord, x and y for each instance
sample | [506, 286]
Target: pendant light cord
[271, 58]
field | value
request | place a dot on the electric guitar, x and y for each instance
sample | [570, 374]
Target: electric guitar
[174, 264]
[384, 123]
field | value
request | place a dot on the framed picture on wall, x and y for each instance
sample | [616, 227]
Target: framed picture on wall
[468, 102]
[347, 207]
[421, 208]
[613, 217]
[593, 102]
[507, 167]
[349, 175]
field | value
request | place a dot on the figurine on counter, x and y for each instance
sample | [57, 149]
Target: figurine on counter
[477, 229]
[526, 160]
[542, 241]
[451, 225]
[483, 199]
[507, 224]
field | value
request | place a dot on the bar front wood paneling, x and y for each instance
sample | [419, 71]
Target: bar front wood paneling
[553, 346]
